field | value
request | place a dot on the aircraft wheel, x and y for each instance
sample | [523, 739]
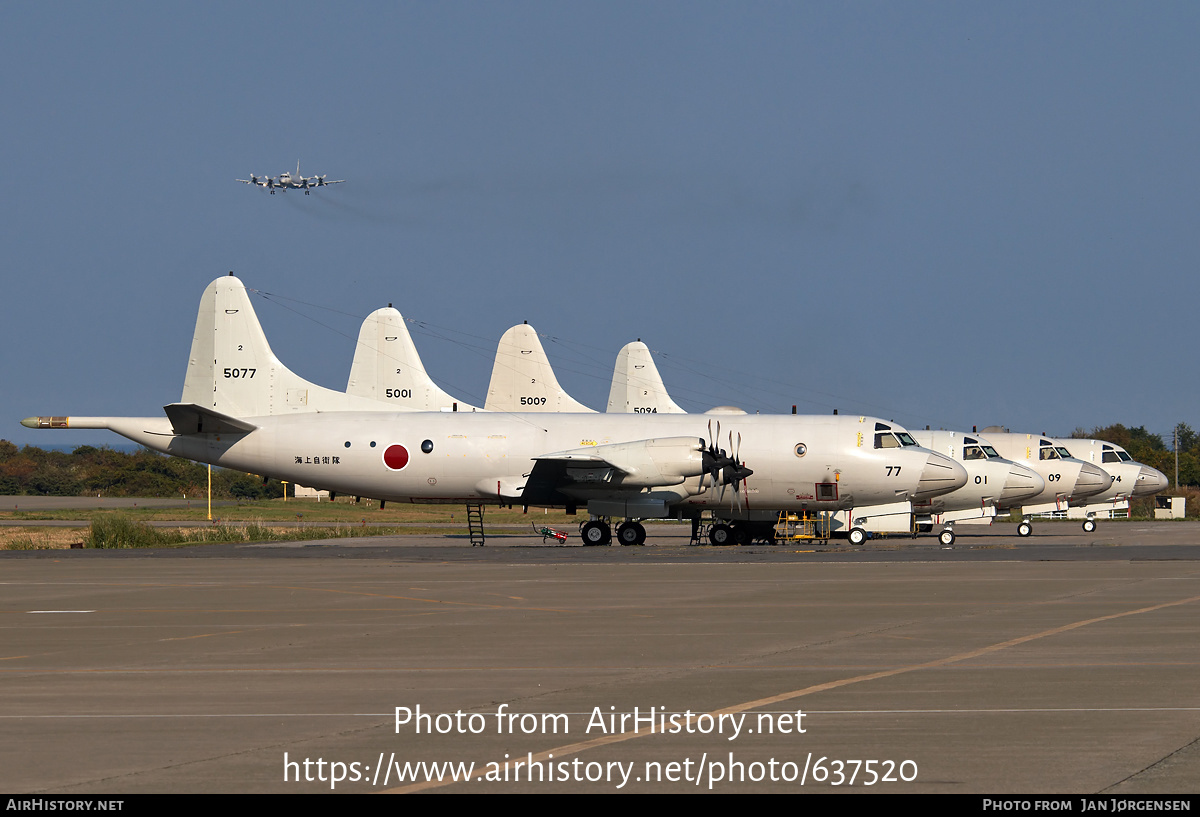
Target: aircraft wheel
[946, 537]
[1024, 529]
[596, 533]
[631, 533]
[857, 536]
[741, 535]
[721, 535]
[1089, 525]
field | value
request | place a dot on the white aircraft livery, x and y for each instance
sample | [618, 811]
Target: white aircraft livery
[522, 378]
[637, 387]
[387, 368]
[1131, 479]
[242, 409]
[1067, 478]
[286, 181]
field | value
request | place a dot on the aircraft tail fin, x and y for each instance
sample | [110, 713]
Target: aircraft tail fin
[387, 368]
[232, 370]
[522, 379]
[637, 387]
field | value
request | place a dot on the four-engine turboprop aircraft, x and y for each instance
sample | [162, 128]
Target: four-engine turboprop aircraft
[241, 408]
[1131, 479]
[991, 481]
[1067, 479]
[286, 180]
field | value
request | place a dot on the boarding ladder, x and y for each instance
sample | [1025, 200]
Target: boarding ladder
[475, 523]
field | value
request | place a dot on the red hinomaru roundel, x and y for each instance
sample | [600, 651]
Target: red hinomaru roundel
[395, 457]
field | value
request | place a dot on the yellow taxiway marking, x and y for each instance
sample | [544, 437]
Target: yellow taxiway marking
[583, 746]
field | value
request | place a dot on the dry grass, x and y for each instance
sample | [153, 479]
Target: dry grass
[40, 538]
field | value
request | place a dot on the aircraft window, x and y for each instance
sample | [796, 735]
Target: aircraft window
[1124, 457]
[347, 443]
[1048, 454]
[1110, 456]
[801, 449]
[973, 452]
[882, 427]
[970, 441]
[372, 443]
[905, 438]
[886, 441]
[427, 446]
[991, 452]
[1064, 452]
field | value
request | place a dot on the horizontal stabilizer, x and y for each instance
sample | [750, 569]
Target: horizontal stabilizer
[188, 418]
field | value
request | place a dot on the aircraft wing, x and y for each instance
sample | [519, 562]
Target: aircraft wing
[188, 418]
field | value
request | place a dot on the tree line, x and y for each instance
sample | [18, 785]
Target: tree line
[91, 471]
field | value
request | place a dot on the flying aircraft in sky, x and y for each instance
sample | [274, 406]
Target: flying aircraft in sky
[286, 181]
[242, 408]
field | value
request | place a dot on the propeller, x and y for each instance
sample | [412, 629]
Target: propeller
[720, 467]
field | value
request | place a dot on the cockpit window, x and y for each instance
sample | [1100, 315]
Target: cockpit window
[1124, 457]
[882, 427]
[886, 441]
[1064, 453]
[991, 452]
[973, 452]
[1048, 454]
[905, 438]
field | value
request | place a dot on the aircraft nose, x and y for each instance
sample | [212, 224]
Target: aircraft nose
[941, 475]
[1021, 483]
[1091, 480]
[1149, 481]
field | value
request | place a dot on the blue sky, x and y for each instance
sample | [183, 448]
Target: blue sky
[940, 213]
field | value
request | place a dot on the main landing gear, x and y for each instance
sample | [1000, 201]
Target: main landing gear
[599, 532]
[631, 533]
[721, 535]
[596, 532]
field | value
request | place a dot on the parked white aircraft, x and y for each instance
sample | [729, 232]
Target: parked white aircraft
[991, 481]
[1067, 479]
[637, 387]
[241, 408]
[387, 368]
[522, 378]
[1131, 479]
[286, 180]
